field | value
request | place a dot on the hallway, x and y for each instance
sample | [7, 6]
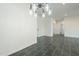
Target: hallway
[56, 46]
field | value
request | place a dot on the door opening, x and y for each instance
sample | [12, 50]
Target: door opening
[58, 28]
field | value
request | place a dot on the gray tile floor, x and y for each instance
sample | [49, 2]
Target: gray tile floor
[58, 45]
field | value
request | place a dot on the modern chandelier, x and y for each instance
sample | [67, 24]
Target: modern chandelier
[35, 7]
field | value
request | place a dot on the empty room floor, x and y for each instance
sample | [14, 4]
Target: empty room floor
[58, 45]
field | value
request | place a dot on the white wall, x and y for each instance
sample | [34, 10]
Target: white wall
[44, 26]
[71, 26]
[17, 28]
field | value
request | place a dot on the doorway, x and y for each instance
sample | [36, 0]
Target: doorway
[58, 28]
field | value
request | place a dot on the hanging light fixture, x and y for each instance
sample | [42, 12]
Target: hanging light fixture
[43, 14]
[37, 6]
[35, 14]
[34, 7]
[47, 7]
[30, 10]
[49, 12]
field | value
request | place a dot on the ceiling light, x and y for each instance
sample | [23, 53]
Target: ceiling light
[34, 7]
[44, 7]
[49, 12]
[47, 7]
[35, 15]
[43, 15]
[30, 12]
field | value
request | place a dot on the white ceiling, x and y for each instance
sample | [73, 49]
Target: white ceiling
[59, 10]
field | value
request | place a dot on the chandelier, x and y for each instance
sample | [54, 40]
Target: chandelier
[35, 7]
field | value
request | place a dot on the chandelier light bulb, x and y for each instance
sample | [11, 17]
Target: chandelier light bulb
[35, 15]
[34, 7]
[43, 15]
[49, 12]
[47, 7]
[30, 12]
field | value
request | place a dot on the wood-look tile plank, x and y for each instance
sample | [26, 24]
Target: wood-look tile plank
[52, 46]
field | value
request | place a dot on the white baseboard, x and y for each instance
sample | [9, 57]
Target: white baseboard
[19, 49]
